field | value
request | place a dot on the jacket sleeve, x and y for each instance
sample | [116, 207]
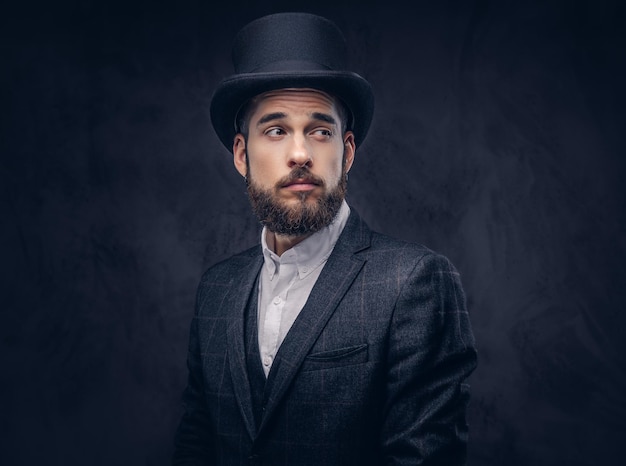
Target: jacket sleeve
[430, 354]
[193, 439]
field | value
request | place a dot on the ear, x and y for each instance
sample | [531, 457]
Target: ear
[240, 154]
[349, 149]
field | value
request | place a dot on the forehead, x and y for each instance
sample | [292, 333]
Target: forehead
[293, 101]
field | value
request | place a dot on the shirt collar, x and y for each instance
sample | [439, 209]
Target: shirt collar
[311, 252]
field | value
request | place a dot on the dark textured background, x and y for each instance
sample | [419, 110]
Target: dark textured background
[498, 141]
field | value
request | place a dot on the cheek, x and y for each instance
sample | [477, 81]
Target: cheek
[264, 171]
[338, 170]
[263, 160]
[337, 167]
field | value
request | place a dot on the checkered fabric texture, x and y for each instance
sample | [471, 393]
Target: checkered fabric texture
[372, 372]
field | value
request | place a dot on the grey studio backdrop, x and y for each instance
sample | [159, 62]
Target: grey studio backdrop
[498, 140]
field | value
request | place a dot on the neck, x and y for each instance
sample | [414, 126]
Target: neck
[281, 243]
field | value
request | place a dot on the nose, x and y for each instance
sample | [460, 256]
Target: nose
[299, 153]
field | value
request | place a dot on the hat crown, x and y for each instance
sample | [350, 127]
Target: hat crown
[289, 41]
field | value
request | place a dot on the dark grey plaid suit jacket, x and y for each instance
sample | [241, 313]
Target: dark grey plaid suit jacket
[371, 373]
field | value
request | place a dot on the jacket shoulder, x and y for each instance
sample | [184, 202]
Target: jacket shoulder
[388, 253]
[404, 250]
[224, 270]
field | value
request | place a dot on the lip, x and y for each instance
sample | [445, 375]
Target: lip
[301, 184]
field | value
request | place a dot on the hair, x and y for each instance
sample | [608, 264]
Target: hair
[242, 120]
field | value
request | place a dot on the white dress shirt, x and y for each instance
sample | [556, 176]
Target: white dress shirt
[287, 280]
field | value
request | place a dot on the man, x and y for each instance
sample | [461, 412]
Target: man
[327, 344]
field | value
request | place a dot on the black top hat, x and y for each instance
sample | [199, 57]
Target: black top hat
[290, 50]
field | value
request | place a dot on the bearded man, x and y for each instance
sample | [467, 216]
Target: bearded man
[327, 344]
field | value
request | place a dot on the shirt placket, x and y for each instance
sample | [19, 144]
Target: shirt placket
[285, 275]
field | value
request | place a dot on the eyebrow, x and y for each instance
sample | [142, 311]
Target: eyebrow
[280, 115]
[324, 117]
[270, 117]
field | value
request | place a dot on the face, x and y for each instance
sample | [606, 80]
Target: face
[295, 158]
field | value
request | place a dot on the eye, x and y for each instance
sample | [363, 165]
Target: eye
[322, 133]
[274, 132]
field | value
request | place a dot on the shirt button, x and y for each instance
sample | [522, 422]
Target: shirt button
[277, 300]
[267, 360]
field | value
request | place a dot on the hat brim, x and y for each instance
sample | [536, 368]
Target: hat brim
[355, 92]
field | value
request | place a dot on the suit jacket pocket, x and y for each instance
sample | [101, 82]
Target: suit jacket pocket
[336, 358]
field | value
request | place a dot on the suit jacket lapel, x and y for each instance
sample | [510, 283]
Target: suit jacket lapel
[242, 288]
[338, 274]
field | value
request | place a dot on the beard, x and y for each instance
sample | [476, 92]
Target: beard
[303, 218]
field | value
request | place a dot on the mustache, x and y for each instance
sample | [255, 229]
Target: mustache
[298, 174]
